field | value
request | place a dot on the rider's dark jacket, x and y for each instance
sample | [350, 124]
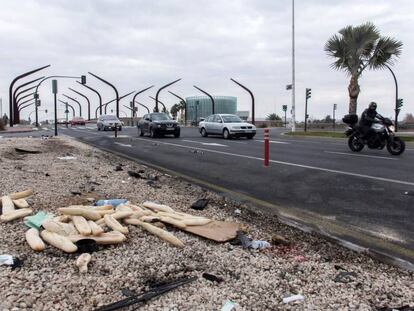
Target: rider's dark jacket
[368, 118]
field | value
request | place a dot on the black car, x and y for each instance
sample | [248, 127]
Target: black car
[158, 124]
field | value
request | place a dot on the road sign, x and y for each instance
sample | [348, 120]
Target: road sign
[289, 87]
[284, 107]
[54, 87]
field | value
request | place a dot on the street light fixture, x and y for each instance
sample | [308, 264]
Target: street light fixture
[113, 87]
[164, 108]
[119, 99]
[185, 106]
[211, 97]
[99, 96]
[76, 101]
[11, 99]
[87, 99]
[148, 110]
[251, 95]
[158, 93]
[135, 96]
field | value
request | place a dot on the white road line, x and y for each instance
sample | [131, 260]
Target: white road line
[274, 142]
[362, 155]
[395, 181]
[206, 144]
[123, 145]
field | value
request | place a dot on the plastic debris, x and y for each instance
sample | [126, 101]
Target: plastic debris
[200, 204]
[67, 158]
[87, 246]
[36, 220]
[237, 212]
[118, 168]
[212, 277]
[113, 202]
[259, 244]
[228, 306]
[9, 260]
[293, 298]
[6, 260]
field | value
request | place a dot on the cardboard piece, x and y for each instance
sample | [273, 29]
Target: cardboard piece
[219, 231]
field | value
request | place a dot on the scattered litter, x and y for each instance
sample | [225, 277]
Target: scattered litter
[212, 277]
[123, 182]
[127, 292]
[279, 240]
[145, 296]
[87, 246]
[67, 158]
[113, 202]
[74, 192]
[228, 306]
[153, 184]
[402, 308]
[135, 174]
[47, 175]
[6, 260]
[293, 298]
[9, 260]
[259, 244]
[344, 277]
[36, 220]
[200, 204]
[118, 168]
[21, 150]
[409, 193]
[196, 151]
[338, 267]
[237, 212]
[152, 177]
[82, 262]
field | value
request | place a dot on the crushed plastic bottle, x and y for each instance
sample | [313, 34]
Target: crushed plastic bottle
[258, 244]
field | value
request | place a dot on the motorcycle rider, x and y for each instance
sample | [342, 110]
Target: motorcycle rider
[367, 119]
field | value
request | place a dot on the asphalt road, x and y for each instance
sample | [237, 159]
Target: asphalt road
[366, 198]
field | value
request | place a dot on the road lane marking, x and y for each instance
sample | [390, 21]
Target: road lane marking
[123, 145]
[206, 144]
[274, 142]
[395, 181]
[362, 155]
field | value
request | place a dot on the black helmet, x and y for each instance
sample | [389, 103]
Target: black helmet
[372, 106]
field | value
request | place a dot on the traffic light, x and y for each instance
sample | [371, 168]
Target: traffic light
[399, 103]
[83, 79]
[308, 93]
[284, 107]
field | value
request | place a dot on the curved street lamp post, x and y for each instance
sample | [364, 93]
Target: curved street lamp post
[99, 96]
[114, 88]
[76, 101]
[251, 95]
[185, 106]
[87, 99]
[211, 97]
[11, 99]
[158, 93]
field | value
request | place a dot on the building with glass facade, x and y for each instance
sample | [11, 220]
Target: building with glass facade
[201, 106]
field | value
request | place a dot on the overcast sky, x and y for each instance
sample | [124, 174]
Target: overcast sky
[135, 44]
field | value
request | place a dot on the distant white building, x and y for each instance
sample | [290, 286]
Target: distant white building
[244, 115]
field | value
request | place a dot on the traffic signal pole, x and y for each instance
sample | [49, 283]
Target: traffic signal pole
[308, 95]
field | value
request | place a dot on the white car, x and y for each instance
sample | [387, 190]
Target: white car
[228, 125]
[106, 122]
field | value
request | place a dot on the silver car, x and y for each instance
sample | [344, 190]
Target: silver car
[228, 125]
[109, 122]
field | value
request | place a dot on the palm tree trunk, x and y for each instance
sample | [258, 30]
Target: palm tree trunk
[353, 90]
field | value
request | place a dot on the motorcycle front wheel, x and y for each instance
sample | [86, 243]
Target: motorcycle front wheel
[355, 143]
[396, 146]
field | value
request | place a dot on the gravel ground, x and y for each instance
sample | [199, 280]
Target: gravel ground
[255, 280]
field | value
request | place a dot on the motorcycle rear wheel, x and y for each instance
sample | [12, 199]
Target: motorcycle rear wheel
[396, 146]
[355, 144]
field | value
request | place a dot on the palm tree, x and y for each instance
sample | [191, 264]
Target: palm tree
[360, 47]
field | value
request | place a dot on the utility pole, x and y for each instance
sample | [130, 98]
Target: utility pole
[334, 108]
[55, 90]
[293, 68]
[1, 107]
[285, 109]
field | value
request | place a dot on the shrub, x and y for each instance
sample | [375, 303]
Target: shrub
[263, 125]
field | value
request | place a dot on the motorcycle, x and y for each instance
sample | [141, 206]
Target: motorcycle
[384, 135]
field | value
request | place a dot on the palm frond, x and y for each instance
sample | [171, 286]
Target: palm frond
[385, 50]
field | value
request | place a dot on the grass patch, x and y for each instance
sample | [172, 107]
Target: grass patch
[339, 135]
